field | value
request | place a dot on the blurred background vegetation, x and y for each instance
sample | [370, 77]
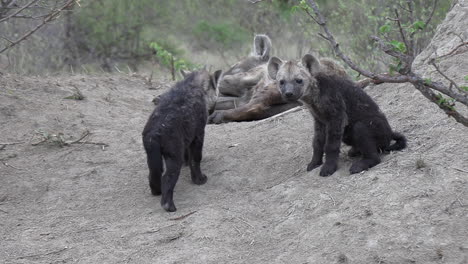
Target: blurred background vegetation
[124, 35]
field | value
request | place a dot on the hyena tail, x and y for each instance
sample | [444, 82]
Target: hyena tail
[155, 165]
[400, 142]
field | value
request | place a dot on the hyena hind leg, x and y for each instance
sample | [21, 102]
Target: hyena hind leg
[366, 145]
[169, 180]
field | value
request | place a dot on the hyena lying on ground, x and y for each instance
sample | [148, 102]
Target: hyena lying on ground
[342, 112]
[248, 93]
[175, 130]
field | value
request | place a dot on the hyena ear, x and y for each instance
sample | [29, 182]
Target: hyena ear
[184, 73]
[273, 67]
[262, 47]
[311, 63]
[215, 77]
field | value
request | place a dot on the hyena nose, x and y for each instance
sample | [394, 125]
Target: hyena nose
[288, 94]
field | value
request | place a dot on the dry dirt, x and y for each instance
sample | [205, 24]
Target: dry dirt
[90, 203]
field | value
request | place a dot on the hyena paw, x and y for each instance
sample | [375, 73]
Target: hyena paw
[314, 164]
[353, 152]
[216, 118]
[200, 180]
[169, 206]
[357, 167]
[328, 169]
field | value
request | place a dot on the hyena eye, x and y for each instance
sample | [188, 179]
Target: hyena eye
[298, 81]
[281, 82]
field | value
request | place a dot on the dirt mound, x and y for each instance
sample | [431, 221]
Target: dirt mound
[89, 201]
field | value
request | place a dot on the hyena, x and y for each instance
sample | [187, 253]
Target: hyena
[342, 111]
[246, 91]
[175, 131]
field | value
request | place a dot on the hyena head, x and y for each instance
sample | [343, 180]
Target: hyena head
[244, 73]
[294, 79]
[208, 82]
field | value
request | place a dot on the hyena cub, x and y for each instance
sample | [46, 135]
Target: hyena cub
[342, 112]
[175, 132]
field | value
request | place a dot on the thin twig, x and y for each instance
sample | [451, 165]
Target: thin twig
[292, 110]
[182, 216]
[43, 254]
[11, 143]
[11, 166]
[18, 11]
[411, 48]
[85, 134]
[334, 203]
[454, 50]
[400, 28]
[7, 39]
[8, 157]
[245, 222]
[407, 59]
[428, 20]
[462, 170]
[432, 62]
[284, 179]
[53, 15]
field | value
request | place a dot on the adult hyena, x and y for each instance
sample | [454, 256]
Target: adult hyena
[342, 111]
[176, 130]
[248, 93]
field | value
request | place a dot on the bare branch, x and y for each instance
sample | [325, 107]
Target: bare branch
[432, 62]
[400, 28]
[255, 1]
[411, 48]
[7, 39]
[432, 14]
[18, 11]
[418, 82]
[390, 51]
[410, 10]
[402, 7]
[453, 52]
[458, 95]
[53, 15]
[450, 111]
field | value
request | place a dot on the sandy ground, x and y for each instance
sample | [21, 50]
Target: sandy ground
[89, 201]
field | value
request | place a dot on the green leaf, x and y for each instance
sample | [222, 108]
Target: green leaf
[418, 25]
[385, 28]
[464, 88]
[427, 81]
[398, 46]
[466, 78]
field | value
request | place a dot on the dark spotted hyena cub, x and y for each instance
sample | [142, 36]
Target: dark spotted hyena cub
[342, 112]
[175, 133]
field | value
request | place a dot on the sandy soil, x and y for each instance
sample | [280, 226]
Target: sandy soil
[90, 203]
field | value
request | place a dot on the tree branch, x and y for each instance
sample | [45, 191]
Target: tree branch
[452, 52]
[390, 51]
[418, 82]
[18, 11]
[400, 28]
[450, 111]
[432, 62]
[430, 16]
[53, 15]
